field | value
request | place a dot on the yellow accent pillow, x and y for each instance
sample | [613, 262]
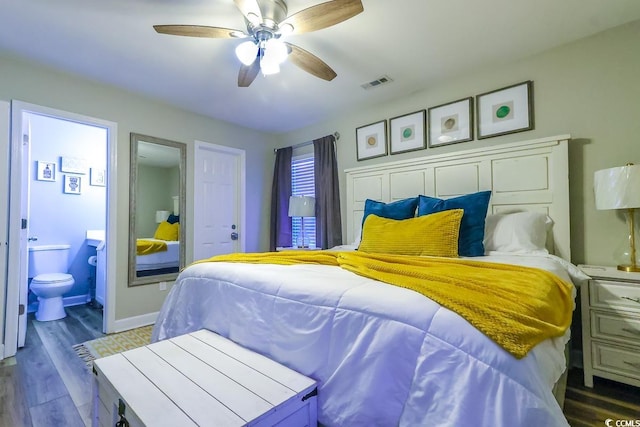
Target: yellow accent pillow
[166, 231]
[429, 235]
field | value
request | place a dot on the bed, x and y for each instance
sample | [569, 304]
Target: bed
[159, 254]
[165, 261]
[385, 355]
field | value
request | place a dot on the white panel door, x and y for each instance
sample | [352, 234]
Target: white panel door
[4, 213]
[218, 208]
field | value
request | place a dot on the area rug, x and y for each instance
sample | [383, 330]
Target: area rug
[110, 344]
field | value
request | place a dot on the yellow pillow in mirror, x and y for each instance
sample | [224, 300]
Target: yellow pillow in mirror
[166, 231]
[428, 235]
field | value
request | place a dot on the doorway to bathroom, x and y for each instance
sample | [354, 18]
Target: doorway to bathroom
[60, 196]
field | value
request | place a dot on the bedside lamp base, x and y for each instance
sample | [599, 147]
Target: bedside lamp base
[629, 268]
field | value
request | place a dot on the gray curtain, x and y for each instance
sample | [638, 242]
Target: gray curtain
[328, 219]
[280, 193]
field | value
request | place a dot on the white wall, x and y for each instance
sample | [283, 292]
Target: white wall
[59, 218]
[589, 89]
[25, 81]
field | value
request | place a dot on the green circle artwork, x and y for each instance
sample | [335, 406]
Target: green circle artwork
[406, 133]
[503, 112]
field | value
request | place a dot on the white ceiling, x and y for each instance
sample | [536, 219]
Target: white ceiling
[417, 43]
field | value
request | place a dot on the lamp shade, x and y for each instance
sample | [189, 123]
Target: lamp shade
[303, 206]
[617, 188]
[247, 52]
[161, 216]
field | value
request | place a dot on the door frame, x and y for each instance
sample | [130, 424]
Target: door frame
[5, 109]
[16, 243]
[241, 156]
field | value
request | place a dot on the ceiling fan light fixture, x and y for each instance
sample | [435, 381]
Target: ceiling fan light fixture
[276, 50]
[247, 52]
[268, 66]
[253, 19]
[285, 29]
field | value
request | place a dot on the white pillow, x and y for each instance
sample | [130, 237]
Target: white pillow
[518, 232]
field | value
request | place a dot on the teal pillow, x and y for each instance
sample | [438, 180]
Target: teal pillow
[475, 207]
[402, 209]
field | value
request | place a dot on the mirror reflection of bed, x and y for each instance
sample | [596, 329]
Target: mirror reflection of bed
[156, 248]
[160, 254]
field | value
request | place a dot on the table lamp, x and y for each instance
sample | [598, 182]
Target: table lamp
[619, 188]
[161, 216]
[302, 206]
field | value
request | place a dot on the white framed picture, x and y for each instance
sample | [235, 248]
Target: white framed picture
[407, 132]
[72, 184]
[451, 123]
[73, 165]
[46, 171]
[371, 140]
[97, 177]
[506, 110]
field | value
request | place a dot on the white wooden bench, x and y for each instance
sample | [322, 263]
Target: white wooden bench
[200, 379]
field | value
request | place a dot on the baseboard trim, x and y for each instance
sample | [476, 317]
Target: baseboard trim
[76, 300]
[134, 322]
[66, 302]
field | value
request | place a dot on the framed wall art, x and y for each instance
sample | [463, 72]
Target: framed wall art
[72, 184]
[46, 171]
[97, 177]
[73, 165]
[407, 132]
[451, 123]
[371, 140]
[506, 110]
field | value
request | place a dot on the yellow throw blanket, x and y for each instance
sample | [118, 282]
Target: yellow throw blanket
[517, 307]
[146, 247]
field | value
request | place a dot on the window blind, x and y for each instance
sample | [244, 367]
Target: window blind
[303, 184]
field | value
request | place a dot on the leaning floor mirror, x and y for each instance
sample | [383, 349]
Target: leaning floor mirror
[156, 209]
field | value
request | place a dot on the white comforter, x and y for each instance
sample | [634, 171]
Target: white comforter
[383, 355]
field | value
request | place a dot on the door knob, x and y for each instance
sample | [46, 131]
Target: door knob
[32, 239]
[234, 236]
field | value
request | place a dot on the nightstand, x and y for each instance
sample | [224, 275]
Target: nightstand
[280, 249]
[610, 306]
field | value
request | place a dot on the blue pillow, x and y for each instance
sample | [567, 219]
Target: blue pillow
[173, 219]
[475, 207]
[402, 209]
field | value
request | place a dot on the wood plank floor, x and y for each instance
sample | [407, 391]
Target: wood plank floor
[47, 385]
[606, 400]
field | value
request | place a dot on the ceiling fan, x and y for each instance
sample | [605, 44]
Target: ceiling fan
[267, 22]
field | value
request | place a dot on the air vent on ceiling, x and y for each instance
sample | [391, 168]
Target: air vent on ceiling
[377, 82]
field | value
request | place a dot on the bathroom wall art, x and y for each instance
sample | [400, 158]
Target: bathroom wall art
[46, 171]
[73, 165]
[97, 177]
[72, 184]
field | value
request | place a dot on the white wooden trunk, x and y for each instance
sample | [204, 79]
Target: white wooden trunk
[200, 379]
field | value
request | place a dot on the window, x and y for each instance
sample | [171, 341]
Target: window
[303, 184]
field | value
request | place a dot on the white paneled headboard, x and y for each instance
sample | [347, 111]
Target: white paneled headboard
[526, 175]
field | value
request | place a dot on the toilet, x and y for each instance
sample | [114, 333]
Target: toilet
[48, 266]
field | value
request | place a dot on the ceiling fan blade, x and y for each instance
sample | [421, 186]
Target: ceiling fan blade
[310, 63]
[323, 15]
[198, 31]
[248, 73]
[248, 7]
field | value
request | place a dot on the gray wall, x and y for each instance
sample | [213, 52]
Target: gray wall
[25, 81]
[156, 186]
[589, 89]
